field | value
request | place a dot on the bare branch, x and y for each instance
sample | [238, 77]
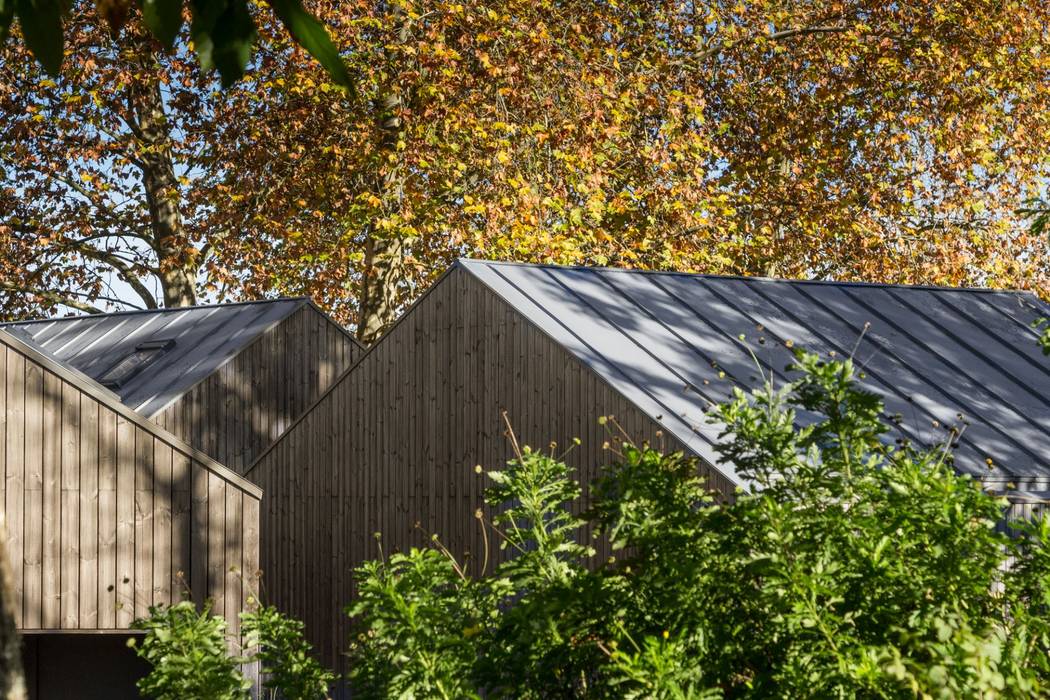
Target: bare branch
[54, 297]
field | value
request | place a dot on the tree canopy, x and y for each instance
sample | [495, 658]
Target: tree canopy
[817, 139]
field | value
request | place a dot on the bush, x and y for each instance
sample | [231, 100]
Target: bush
[190, 658]
[289, 669]
[187, 652]
[849, 567]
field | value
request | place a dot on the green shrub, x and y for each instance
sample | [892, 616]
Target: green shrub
[285, 656]
[850, 566]
[187, 652]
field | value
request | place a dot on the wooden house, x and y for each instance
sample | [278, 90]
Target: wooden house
[392, 446]
[227, 379]
[123, 435]
[106, 513]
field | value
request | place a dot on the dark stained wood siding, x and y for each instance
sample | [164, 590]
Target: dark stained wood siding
[244, 406]
[103, 515]
[393, 447]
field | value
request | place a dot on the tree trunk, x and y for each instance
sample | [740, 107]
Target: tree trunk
[384, 267]
[378, 303]
[12, 680]
[177, 259]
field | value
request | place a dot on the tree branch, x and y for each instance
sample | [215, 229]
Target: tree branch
[783, 34]
[122, 268]
[53, 297]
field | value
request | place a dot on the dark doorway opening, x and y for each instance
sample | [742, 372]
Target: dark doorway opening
[84, 666]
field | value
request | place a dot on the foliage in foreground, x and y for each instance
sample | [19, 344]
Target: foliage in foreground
[189, 655]
[849, 568]
[286, 658]
[222, 31]
[186, 650]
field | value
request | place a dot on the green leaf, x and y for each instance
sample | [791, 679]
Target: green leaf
[163, 18]
[312, 36]
[223, 33]
[41, 22]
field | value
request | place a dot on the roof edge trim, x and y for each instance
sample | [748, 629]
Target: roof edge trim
[470, 262]
[109, 400]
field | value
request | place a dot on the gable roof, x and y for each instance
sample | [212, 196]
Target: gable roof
[669, 342]
[111, 401]
[205, 338]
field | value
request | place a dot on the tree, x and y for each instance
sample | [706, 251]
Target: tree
[824, 139]
[821, 139]
[106, 165]
[100, 166]
[849, 567]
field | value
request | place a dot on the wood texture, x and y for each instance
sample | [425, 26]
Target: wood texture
[244, 406]
[393, 447]
[102, 517]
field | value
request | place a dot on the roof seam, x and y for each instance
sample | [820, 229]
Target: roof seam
[1042, 367]
[689, 383]
[838, 347]
[981, 386]
[936, 389]
[1025, 386]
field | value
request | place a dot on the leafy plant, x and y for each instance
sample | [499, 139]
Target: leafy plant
[286, 657]
[186, 649]
[851, 566]
[422, 615]
[190, 655]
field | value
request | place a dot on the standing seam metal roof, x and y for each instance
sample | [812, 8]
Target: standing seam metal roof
[206, 337]
[670, 343]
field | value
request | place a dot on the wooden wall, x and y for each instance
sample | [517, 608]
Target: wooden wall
[239, 411]
[393, 447]
[106, 513]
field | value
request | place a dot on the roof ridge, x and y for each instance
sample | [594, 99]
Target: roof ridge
[167, 309]
[469, 262]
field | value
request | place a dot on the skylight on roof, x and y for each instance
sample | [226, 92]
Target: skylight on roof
[132, 363]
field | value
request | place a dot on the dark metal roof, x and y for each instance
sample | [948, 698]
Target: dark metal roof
[670, 343]
[205, 338]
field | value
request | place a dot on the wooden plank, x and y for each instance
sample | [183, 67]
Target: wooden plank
[181, 524]
[250, 549]
[143, 588]
[89, 520]
[232, 545]
[51, 503]
[69, 581]
[199, 536]
[162, 519]
[125, 495]
[40, 525]
[107, 518]
[216, 538]
[14, 489]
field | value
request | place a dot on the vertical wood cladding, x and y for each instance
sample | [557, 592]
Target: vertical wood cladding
[392, 448]
[104, 511]
[244, 406]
